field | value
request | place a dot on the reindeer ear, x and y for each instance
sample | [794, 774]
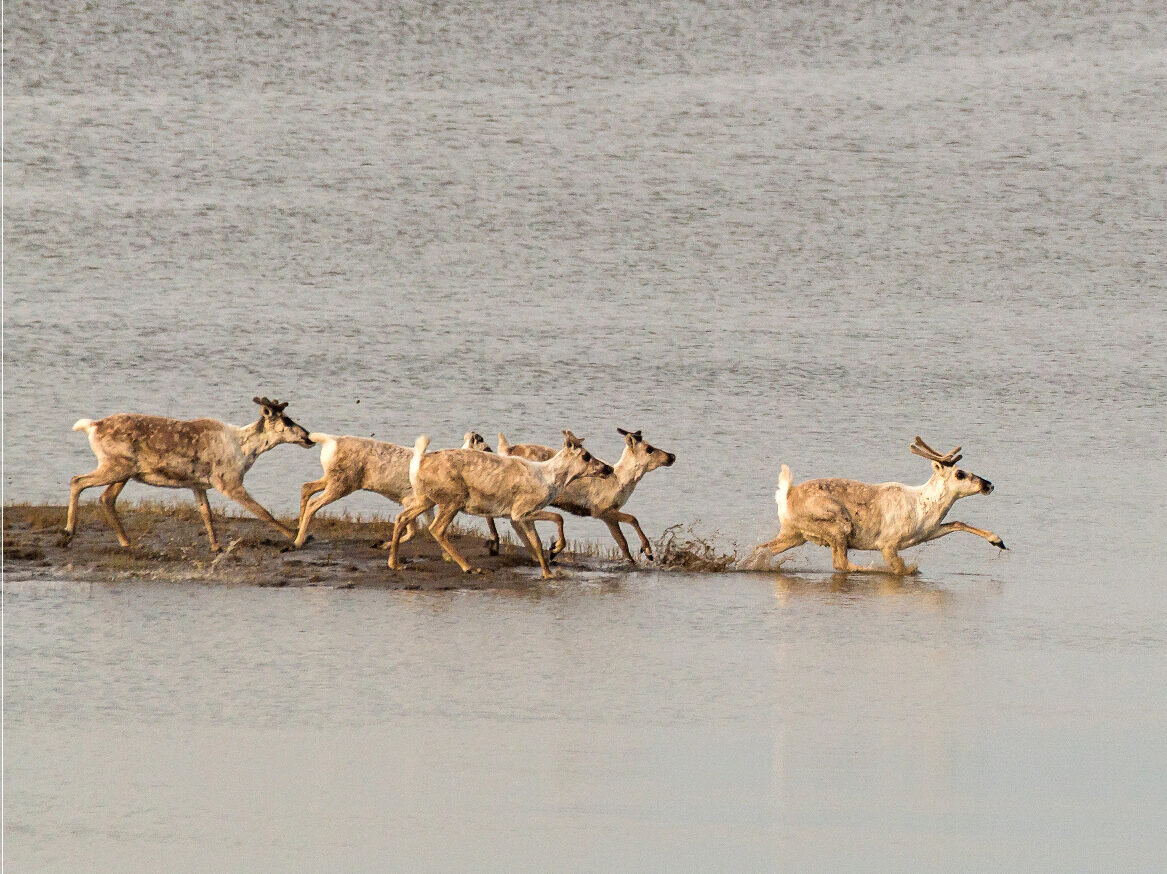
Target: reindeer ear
[622, 432]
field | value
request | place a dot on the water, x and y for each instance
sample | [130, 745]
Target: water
[761, 234]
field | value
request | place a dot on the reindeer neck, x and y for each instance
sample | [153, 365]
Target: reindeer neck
[936, 498]
[628, 470]
[551, 473]
[255, 440]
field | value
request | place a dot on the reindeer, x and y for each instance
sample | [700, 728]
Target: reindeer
[353, 464]
[844, 514]
[486, 484]
[195, 454]
[602, 497]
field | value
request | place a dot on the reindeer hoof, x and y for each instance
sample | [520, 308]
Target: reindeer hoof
[647, 553]
[477, 570]
[65, 539]
[492, 547]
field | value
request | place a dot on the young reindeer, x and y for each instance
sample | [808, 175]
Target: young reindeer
[844, 514]
[353, 464]
[195, 454]
[485, 484]
[602, 497]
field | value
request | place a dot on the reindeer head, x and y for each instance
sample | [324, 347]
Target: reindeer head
[647, 457]
[474, 440]
[961, 482]
[579, 461]
[281, 428]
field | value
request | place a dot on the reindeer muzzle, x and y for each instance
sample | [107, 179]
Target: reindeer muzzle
[671, 459]
[986, 487]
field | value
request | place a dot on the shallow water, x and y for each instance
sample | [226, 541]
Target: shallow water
[660, 721]
[762, 235]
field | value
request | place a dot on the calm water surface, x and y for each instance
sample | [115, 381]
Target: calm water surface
[760, 233]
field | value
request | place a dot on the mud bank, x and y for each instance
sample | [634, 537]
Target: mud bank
[170, 545]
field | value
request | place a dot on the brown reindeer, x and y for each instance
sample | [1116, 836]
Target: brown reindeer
[602, 496]
[195, 454]
[485, 484]
[845, 514]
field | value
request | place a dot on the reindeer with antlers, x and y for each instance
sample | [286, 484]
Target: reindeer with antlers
[195, 454]
[845, 514]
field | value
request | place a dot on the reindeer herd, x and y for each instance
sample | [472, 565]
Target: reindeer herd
[517, 483]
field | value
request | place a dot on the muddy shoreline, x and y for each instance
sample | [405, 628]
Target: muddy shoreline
[170, 545]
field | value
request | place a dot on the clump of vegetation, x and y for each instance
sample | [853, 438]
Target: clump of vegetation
[680, 547]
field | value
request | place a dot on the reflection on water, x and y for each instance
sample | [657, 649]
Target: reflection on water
[868, 585]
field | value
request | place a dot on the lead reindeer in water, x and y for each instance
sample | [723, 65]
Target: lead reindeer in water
[486, 484]
[602, 497]
[195, 454]
[845, 514]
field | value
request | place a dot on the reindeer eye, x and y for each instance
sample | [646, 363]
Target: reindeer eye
[960, 474]
[587, 456]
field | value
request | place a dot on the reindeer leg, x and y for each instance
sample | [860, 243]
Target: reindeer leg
[438, 528]
[239, 494]
[629, 519]
[839, 557]
[308, 490]
[333, 491]
[492, 545]
[408, 514]
[108, 500]
[895, 564]
[205, 511]
[774, 547]
[547, 516]
[618, 536]
[103, 476]
[949, 527]
[527, 528]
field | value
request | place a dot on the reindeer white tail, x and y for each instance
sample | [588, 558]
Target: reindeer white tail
[784, 480]
[418, 451]
[504, 448]
[82, 424]
[327, 444]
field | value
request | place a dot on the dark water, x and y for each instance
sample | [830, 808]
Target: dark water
[762, 234]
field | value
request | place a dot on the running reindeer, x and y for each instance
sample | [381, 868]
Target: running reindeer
[845, 514]
[195, 454]
[602, 496]
[486, 484]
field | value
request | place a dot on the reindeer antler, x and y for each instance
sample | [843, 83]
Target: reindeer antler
[925, 451]
[570, 439]
[273, 405]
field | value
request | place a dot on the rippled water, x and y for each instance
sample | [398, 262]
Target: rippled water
[762, 234]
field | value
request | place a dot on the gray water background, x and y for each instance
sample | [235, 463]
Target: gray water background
[795, 233]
